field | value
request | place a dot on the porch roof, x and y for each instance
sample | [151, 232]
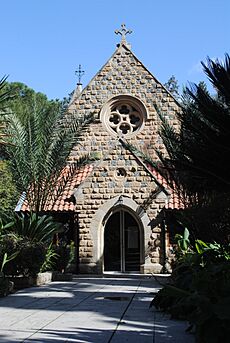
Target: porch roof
[173, 200]
[64, 202]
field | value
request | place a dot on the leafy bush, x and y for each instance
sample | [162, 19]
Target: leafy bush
[29, 255]
[7, 259]
[27, 237]
[30, 258]
[8, 193]
[50, 259]
[34, 227]
[66, 257]
[199, 291]
[5, 284]
[72, 256]
[63, 252]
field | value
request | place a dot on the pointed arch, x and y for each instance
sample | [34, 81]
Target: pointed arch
[101, 217]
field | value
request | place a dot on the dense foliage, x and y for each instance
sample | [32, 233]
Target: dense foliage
[199, 289]
[195, 163]
[196, 166]
[5, 96]
[39, 136]
[28, 239]
[197, 154]
[36, 138]
[33, 227]
[29, 258]
[8, 194]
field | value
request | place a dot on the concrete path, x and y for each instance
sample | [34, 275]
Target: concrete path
[88, 310]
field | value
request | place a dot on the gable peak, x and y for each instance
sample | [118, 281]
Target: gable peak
[123, 32]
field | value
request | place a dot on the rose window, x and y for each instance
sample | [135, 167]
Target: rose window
[124, 119]
[123, 115]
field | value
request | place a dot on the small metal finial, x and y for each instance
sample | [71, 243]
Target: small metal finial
[79, 74]
[123, 32]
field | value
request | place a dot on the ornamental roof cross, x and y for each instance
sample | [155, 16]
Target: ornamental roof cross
[79, 74]
[123, 32]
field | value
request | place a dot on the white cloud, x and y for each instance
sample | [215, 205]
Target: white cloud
[198, 69]
[195, 69]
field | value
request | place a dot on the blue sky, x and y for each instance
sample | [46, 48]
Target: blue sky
[44, 41]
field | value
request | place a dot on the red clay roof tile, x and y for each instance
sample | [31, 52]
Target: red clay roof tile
[63, 203]
[173, 200]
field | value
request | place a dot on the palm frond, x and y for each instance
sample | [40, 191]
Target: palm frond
[42, 140]
[219, 75]
[4, 94]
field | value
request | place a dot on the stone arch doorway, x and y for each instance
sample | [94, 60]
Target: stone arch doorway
[122, 242]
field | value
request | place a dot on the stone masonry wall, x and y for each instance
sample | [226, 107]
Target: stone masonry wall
[123, 74]
[103, 185]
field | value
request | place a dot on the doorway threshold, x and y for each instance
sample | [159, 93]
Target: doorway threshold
[133, 274]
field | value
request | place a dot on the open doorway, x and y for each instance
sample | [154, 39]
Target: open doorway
[122, 243]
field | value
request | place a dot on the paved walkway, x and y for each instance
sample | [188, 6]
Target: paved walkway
[88, 310]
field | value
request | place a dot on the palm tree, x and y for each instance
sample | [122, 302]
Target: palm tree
[4, 97]
[196, 164]
[201, 148]
[40, 141]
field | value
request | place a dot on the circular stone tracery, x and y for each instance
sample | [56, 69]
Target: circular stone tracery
[123, 115]
[125, 119]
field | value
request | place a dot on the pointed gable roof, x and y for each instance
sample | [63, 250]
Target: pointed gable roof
[122, 74]
[124, 56]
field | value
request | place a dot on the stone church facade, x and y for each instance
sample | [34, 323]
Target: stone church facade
[118, 199]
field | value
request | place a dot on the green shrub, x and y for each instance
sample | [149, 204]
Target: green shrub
[6, 259]
[50, 259]
[72, 256]
[63, 251]
[8, 193]
[199, 291]
[34, 227]
[30, 257]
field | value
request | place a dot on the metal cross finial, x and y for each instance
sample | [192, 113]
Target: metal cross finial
[123, 32]
[79, 73]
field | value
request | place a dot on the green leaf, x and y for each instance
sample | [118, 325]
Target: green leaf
[186, 234]
[200, 246]
[41, 136]
[7, 259]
